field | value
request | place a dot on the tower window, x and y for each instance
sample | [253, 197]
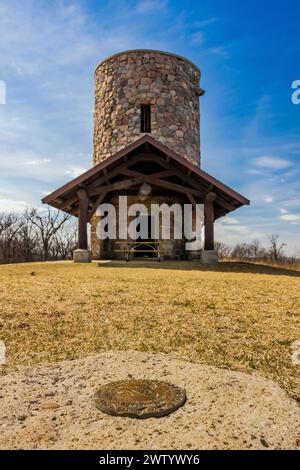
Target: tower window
[145, 118]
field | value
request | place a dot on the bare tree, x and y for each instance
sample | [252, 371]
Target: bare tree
[47, 224]
[10, 224]
[224, 250]
[276, 250]
[6, 221]
[249, 251]
[241, 251]
[28, 246]
[64, 242]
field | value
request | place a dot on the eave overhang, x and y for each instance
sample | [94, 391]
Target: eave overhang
[117, 174]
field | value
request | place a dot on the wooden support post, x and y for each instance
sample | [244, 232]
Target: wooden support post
[209, 218]
[83, 218]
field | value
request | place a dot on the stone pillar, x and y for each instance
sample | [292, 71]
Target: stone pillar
[82, 254]
[209, 255]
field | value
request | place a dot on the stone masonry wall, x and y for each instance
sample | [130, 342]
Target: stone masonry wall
[169, 83]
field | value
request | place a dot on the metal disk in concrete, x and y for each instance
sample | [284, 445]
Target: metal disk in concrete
[139, 398]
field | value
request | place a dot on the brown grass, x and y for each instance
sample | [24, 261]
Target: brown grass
[236, 316]
[280, 264]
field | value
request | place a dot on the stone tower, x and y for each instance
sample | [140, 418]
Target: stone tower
[146, 148]
[147, 91]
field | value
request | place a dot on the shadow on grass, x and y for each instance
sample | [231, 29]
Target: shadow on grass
[222, 267]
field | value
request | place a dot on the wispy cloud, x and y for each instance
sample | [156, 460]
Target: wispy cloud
[206, 22]
[37, 162]
[11, 205]
[151, 6]
[290, 217]
[236, 232]
[75, 171]
[230, 221]
[48, 51]
[220, 50]
[198, 38]
[273, 163]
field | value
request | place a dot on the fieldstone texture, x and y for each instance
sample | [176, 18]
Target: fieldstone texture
[51, 406]
[167, 82]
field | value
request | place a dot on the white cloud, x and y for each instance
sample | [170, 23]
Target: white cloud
[11, 205]
[269, 199]
[273, 163]
[75, 171]
[27, 166]
[290, 217]
[283, 211]
[230, 221]
[235, 233]
[37, 162]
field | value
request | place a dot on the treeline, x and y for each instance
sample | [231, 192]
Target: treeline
[36, 236]
[254, 251]
[52, 235]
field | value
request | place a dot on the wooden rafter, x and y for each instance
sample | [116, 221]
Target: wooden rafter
[101, 178]
[97, 203]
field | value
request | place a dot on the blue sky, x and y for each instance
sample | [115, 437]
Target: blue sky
[249, 55]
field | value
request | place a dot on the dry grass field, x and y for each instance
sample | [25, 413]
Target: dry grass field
[236, 316]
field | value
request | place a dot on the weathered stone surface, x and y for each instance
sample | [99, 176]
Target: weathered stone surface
[209, 257]
[167, 82]
[139, 398]
[82, 256]
[225, 409]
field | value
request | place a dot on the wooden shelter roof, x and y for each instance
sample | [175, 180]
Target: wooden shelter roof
[145, 161]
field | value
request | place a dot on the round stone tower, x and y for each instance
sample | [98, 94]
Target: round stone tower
[147, 91]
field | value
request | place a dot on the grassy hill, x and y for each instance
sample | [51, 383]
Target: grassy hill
[238, 316]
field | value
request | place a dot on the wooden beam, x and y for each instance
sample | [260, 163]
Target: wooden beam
[105, 174]
[168, 166]
[226, 205]
[117, 186]
[96, 204]
[59, 201]
[159, 174]
[192, 199]
[143, 157]
[209, 218]
[174, 186]
[83, 218]
[115, 172]
[125, 169]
